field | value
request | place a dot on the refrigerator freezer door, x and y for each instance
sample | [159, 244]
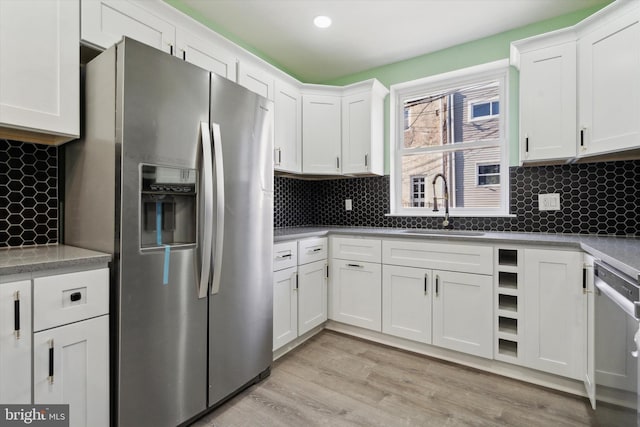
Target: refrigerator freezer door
[160, 104]
[241, 312]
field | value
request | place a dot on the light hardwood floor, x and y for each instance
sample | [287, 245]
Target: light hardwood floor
[337, 380]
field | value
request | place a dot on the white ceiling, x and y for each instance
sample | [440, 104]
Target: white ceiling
[368, 33]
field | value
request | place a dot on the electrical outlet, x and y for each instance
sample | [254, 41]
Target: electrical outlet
[549, 202]
[348, 205]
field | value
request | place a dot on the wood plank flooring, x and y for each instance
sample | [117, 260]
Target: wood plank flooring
[336, 380]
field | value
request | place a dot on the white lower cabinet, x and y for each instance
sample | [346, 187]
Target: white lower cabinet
[356, 293]
[406, 302]
[463, 312]
[71, 366]
[15, 342]
[299, 288]
[448, 309]
[554, 312]
[312, 296]
[285, 307]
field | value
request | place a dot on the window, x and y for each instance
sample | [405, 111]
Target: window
[483, 110]
[488, 174]
[417, 191]
[451, 124]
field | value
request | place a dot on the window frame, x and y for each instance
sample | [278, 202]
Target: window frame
[471, 118]
[401, 92]
[424, 191]
[478, 165]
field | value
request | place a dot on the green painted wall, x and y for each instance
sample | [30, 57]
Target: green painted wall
[476, 52]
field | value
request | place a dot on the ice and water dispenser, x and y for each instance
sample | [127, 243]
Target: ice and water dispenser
[168, 206]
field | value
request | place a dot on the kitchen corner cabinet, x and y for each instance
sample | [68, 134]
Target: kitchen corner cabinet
[609, 88]
[321, 134]
[548, 102]
[15, 342]
[39, 70]
[355, 289]
[287, 127]
[554, 312]
[363, 128]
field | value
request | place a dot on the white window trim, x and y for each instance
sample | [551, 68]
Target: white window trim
[477, 166]
[470, 105]
[415, 88]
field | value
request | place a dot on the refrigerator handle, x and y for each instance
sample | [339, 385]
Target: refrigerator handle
[207, 200]
[217, 254]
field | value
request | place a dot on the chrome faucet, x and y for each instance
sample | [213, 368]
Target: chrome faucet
[445, 223]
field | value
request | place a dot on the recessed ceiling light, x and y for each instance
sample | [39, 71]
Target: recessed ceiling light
[322, 21]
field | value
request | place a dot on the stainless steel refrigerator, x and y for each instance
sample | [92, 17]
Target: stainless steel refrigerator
[173, 176]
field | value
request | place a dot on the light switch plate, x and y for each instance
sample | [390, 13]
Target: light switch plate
[348, 205]
[549, 202]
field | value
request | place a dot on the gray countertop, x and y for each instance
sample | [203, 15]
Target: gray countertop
[38, 258]
[622, 253]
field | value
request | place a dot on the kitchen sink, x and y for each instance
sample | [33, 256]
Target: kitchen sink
[442, 232]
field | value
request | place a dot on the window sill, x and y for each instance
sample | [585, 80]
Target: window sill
[453, 215]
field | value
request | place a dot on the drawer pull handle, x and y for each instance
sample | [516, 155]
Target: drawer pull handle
[283, 256]
[315, 250]
[76, 296]
[51, 361]
[16, 315]
[355, 265]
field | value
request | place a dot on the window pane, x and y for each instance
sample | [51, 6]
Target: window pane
[444, 118]
[480, 110]
[467, 188]
[485, 169]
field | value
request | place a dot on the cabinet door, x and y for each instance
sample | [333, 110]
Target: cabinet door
[609, 86]
[256, 80]
[205, 54]
[463, 312]
[288, 128]
[554, 315]
[80, 375]
[356, 133]
[548, 103]
[356, 293]
[40, 66]
[312, 295]
[321, 134]
[104, 22]
[406, 302]
[15, 342]
[285, 307]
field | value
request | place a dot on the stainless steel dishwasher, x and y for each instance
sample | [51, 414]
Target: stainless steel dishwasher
[616, 336]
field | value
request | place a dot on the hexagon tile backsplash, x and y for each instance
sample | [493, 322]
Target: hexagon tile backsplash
[28, 194]
[596, 198]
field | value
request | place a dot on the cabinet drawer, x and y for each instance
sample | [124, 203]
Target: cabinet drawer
[285, 255]
[311, 250]
[67, 298]
[439, 255]
[356, 249]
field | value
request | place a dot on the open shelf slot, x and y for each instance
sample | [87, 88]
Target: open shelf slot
[508, 325]
[508, 257]
[507, 280]
[508, 348]
[508, 303]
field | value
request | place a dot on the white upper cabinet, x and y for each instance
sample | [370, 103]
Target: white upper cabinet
[256, 79]
[609, 87]
[205, 54]
[548, 101]
[363, 128]
[104, 22]
[287, 127]
[39, 70]
[321, 134]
